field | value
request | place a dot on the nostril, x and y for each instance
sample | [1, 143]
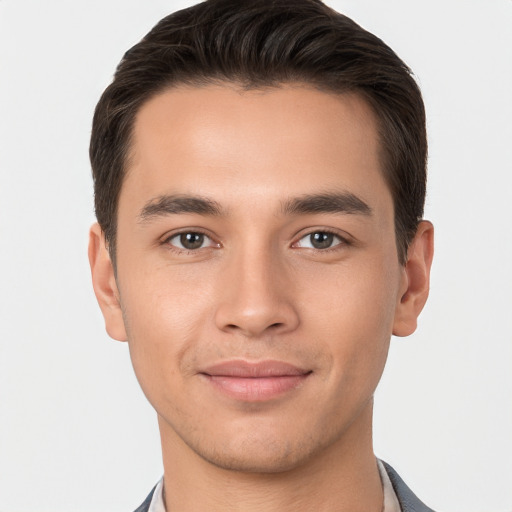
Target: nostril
[254, 319]
[273, 327]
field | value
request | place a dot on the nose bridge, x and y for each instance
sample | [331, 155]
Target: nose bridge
[255, 294]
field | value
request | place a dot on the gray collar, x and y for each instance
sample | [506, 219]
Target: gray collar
[408, 501]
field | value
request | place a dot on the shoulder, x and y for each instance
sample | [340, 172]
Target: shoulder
[407, 499]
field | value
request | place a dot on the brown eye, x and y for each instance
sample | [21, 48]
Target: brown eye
[188, 241]
[320, 240]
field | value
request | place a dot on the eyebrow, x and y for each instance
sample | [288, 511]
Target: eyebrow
[176, 204]
[341, 202]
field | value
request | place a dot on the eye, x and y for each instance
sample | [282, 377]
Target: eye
[320, 240]
[190, 241]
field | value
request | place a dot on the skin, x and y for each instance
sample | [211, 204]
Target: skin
[257, 289]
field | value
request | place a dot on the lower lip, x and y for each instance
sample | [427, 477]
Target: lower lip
[256, 389]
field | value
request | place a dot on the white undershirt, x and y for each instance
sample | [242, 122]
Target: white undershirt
[157, 502]
[391, 503]
[390, 500]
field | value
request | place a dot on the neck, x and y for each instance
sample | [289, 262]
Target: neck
[343, 477]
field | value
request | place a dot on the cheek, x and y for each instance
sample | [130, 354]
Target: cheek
[351, 313]
[164, 313]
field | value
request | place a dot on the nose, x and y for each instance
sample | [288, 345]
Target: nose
[257, 296]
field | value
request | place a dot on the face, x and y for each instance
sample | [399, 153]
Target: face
[258, 281]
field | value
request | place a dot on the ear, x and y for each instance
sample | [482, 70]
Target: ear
[104, 284]
[415, 281]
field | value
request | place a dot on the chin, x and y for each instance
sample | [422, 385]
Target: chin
[263, 451]
[263, 459]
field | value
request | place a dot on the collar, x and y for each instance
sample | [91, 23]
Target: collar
[391, 503]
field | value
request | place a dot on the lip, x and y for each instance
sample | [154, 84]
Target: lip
[255, 381]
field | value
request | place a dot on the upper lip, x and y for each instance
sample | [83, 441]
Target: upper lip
[259, 369]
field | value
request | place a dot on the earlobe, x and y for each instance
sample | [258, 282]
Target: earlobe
[104, 284]
[415, 280]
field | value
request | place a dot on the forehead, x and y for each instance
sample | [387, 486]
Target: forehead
[293, 137]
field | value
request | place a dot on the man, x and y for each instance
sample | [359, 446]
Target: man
[259, 174]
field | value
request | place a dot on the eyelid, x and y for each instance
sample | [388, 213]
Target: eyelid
[165, 240]
[344, 239]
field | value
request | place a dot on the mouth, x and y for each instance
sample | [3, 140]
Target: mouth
[255, 382]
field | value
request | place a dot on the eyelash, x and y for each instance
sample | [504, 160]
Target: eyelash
[343, 241]
[167, 241]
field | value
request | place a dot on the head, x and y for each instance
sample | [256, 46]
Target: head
[259, 174]
[258, 45]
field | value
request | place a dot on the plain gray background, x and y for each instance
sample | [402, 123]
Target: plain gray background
[76, 433]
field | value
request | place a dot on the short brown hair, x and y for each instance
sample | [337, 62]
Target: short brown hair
[265, 43]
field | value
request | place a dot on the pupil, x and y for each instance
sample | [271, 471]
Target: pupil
[321, 240]
[192, 240]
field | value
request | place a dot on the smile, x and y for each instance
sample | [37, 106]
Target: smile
[255, 382]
